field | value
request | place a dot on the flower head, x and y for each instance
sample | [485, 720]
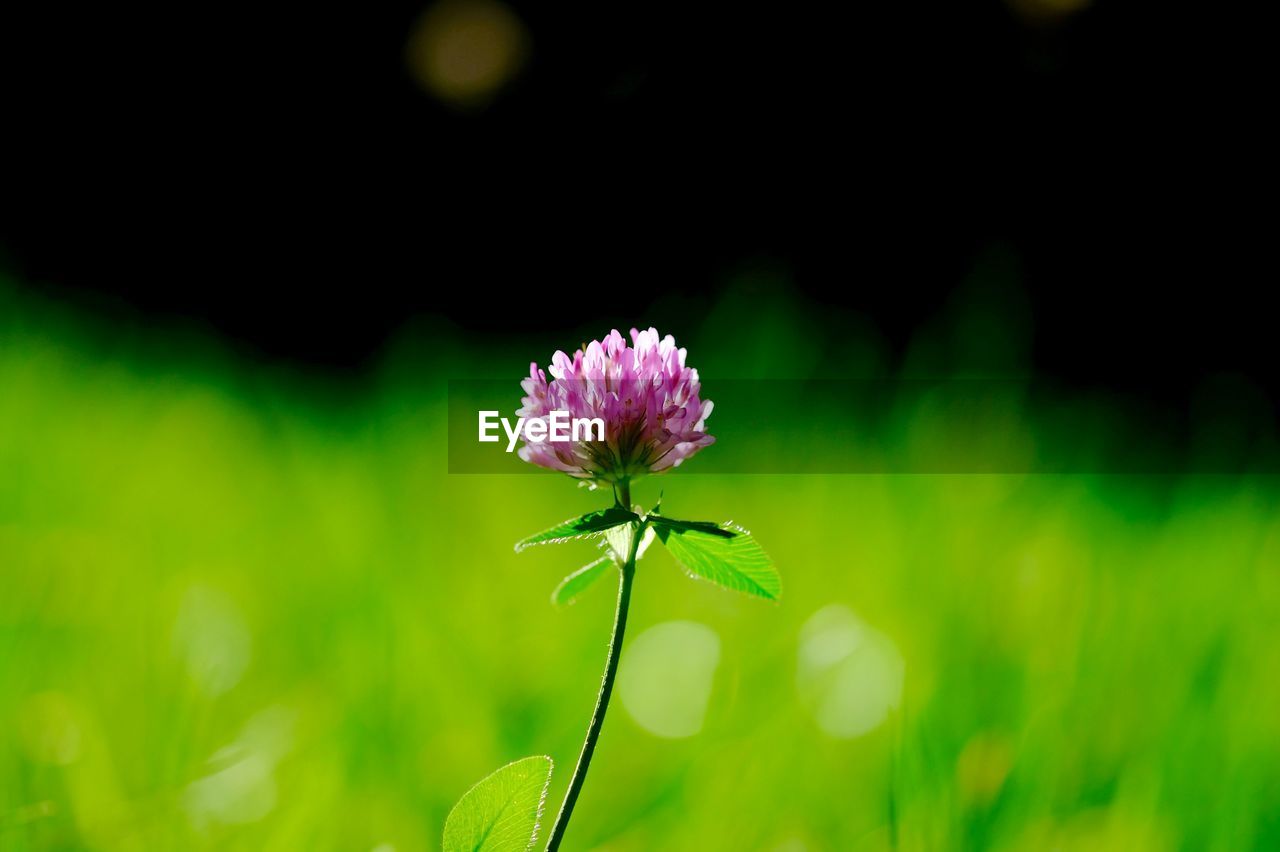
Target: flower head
[647, 398]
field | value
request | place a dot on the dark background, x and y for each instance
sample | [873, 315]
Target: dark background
[276, 172]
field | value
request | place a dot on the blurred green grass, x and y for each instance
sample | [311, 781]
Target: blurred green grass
[250, 611]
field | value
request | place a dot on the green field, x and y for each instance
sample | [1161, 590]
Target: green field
[246, 608]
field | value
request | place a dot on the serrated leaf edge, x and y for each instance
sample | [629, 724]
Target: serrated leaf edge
[739, 530]
[608, 557]
[526, 542]
[542, 796]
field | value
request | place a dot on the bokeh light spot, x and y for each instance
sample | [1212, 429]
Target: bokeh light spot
[463, 51]
[212, 639]
[1047, 11]
[48, 729]
[241, 788]
[665, 677]
[242, 792]
[848, 674]
[982, 767]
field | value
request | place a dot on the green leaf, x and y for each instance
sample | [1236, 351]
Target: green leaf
[725, 531]
[588, 526]
[501, 813]
[577, 582]
[725, 554]
[618, 541]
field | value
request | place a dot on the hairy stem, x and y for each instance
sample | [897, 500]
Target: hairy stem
[627, 573]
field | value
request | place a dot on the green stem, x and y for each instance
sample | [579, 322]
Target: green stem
[627, 572]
